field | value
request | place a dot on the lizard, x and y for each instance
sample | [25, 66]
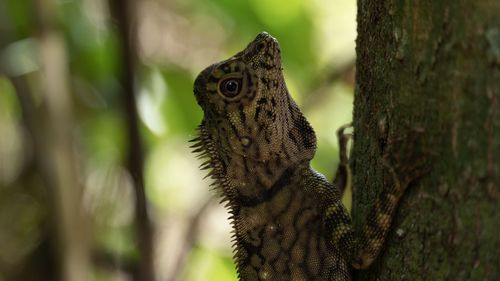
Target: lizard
[288, 220]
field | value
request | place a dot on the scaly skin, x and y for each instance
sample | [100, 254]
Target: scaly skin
[289, 222]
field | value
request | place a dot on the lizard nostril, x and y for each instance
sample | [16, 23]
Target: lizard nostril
[261, 46]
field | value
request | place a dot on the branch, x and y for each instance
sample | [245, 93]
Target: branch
[190, 237]
[333, 73]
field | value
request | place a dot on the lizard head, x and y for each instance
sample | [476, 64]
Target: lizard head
[248, 112]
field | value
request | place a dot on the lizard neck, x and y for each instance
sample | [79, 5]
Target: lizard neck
[255, 182]
[253, 178]
[250, 172]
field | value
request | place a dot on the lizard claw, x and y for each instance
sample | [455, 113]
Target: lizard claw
[342, 174]
[343, 139]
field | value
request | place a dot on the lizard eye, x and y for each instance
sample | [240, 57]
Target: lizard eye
[230, 87]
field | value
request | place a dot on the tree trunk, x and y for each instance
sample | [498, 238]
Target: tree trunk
[431, 69]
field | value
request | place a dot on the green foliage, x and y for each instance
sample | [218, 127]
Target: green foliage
[176, 39]
[211, 266]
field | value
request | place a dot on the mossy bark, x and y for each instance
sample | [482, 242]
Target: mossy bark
[432, 67]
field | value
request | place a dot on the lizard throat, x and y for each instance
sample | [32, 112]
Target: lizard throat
[238, 179]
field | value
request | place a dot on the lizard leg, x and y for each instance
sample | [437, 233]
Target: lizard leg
[343, 174]
[402, 167]
[376, 227]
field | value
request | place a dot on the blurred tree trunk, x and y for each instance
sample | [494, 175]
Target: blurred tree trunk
[47, 108]
[434, 67]
[124, 13]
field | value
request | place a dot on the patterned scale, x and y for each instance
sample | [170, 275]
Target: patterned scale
[289, 222]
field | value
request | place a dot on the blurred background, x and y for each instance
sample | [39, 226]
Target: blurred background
[97, 181]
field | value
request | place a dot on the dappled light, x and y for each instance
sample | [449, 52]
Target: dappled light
[69, 190]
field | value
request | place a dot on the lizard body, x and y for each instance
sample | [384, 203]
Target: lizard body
[289, 222]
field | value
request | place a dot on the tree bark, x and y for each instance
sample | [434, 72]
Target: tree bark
[431, 68]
